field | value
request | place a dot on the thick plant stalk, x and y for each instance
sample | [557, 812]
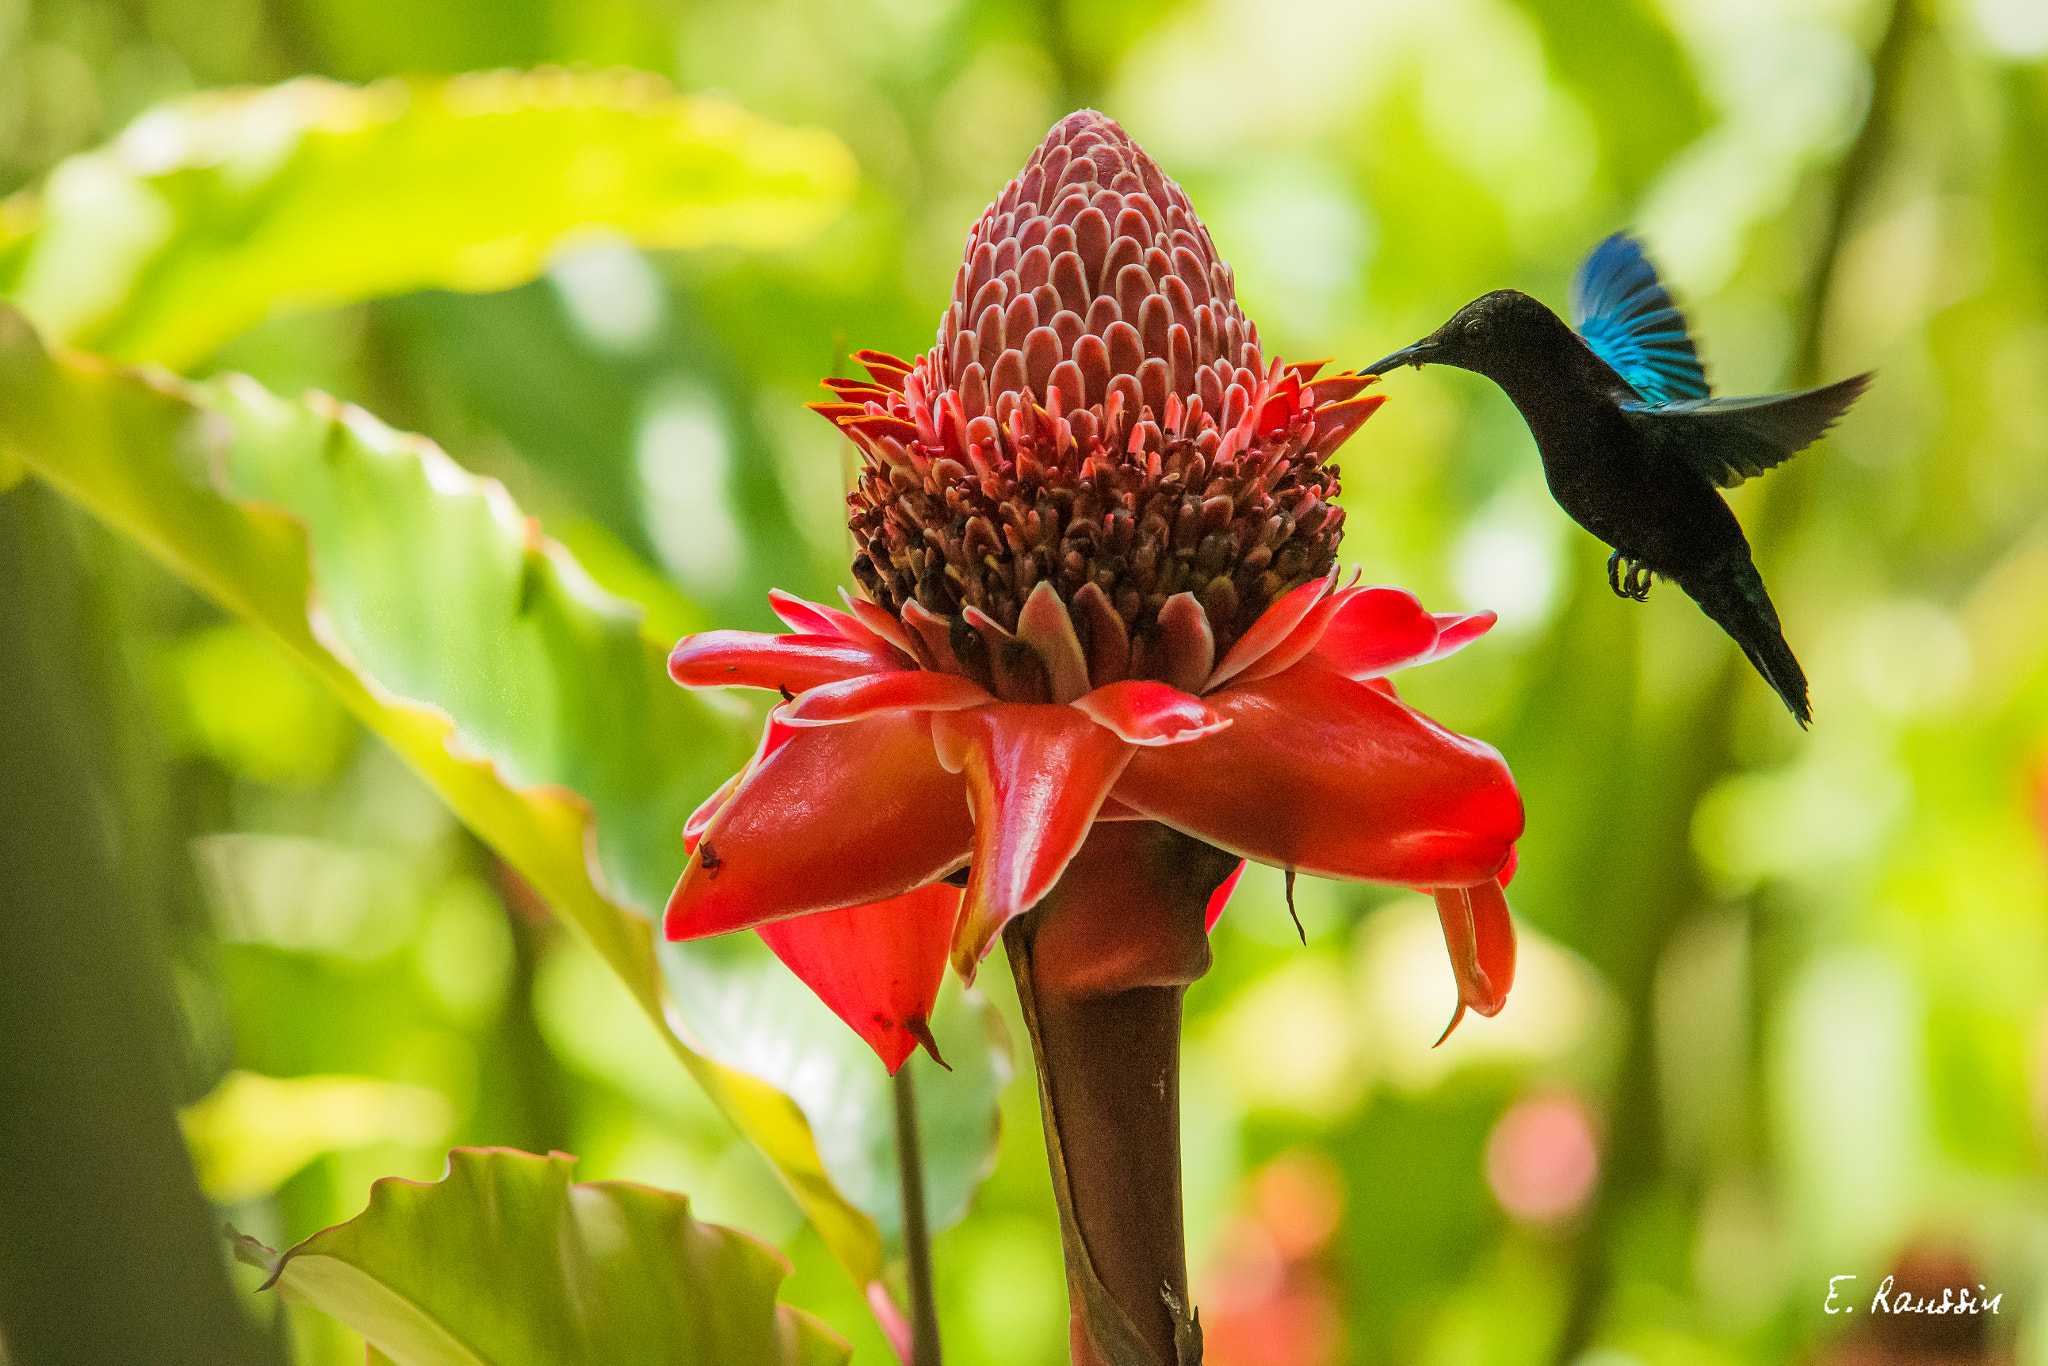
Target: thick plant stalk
[1101, 967]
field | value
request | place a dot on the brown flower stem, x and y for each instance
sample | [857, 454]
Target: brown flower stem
[1101, 966]
[917, 1240]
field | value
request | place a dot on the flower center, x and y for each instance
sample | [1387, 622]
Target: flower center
[1097, 415]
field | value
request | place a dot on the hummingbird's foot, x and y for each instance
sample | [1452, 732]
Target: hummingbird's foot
[1628, 578]
[1637, 583]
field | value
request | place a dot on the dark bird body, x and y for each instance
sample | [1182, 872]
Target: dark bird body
[1633, 447]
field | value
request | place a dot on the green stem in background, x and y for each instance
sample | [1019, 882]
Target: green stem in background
[917, 1238]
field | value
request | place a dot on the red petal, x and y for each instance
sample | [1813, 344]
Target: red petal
[1376, 631]
[700, 819]
[878, 622]
[748, 659]
[1332, 777]
[1185, 644]
[1456, 630]
[877, 966]
[1299, 642]
[814, 618]
[850, 699]
[774, 735]
[1274, 625]
[837, 816]
[1114, 810]
[1279, 408]
[1046, 627]
[1335, 422]
[1481, 938]
[1036, 775]
[1220, 898]
[809, 618]
[1142, 712]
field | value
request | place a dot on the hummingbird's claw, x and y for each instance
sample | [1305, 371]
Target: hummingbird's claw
[1628, 578]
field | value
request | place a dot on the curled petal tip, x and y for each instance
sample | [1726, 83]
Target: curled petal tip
[1142, 712]
[749, 659]
[1456, 1016]
[1506, 874]
[1456, 630]
[920, 1028]
[877, 967]
[1480, 936]
[1220, 898]
[851, 699]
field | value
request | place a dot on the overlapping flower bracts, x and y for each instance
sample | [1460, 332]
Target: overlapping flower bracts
[882, 776]
[1098, 545]
[1096, 411]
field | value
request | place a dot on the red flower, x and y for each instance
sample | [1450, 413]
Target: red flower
[1099, 555]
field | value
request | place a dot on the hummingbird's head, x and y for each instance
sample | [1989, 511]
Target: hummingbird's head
[1482, 336]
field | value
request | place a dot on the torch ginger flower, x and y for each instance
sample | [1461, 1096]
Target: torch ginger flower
[1098, 543]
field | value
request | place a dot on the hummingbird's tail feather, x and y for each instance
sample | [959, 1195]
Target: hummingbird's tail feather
[1732, 593]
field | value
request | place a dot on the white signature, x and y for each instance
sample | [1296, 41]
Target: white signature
[1953, 1300]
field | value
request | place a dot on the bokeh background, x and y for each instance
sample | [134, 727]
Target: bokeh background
[1783, 1009]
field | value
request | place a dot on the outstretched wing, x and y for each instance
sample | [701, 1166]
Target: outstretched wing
[1729, 439]
[1625, 315]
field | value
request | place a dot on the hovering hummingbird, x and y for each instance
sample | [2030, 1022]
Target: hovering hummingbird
[1633, 447]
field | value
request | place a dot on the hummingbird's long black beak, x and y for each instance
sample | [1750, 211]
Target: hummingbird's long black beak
[1417, 355]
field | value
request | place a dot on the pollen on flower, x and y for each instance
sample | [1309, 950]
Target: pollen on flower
[1097, 414]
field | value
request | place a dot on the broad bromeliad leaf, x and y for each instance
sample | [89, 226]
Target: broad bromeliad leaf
[505, 1262]
[215, 210]
[529, 698]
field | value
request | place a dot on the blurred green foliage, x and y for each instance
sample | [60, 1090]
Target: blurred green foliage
[527, 699]
[1794, 985]
[560, 1272]
[215, 210]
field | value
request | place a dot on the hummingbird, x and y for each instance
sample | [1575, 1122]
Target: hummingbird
[1634, 445]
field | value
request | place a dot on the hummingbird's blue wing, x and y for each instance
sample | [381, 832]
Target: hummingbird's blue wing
[1729, 439]
[1625, 315]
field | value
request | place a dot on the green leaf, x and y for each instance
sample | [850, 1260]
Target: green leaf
[216, 210]
[755, 1015]
[504, 1262]
[435, 599]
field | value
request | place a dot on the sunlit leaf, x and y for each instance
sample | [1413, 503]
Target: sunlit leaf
[228, 695]
[216, 210]
[504, 1262]
[252, 1132]
[749, 1012]
[440, 600]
